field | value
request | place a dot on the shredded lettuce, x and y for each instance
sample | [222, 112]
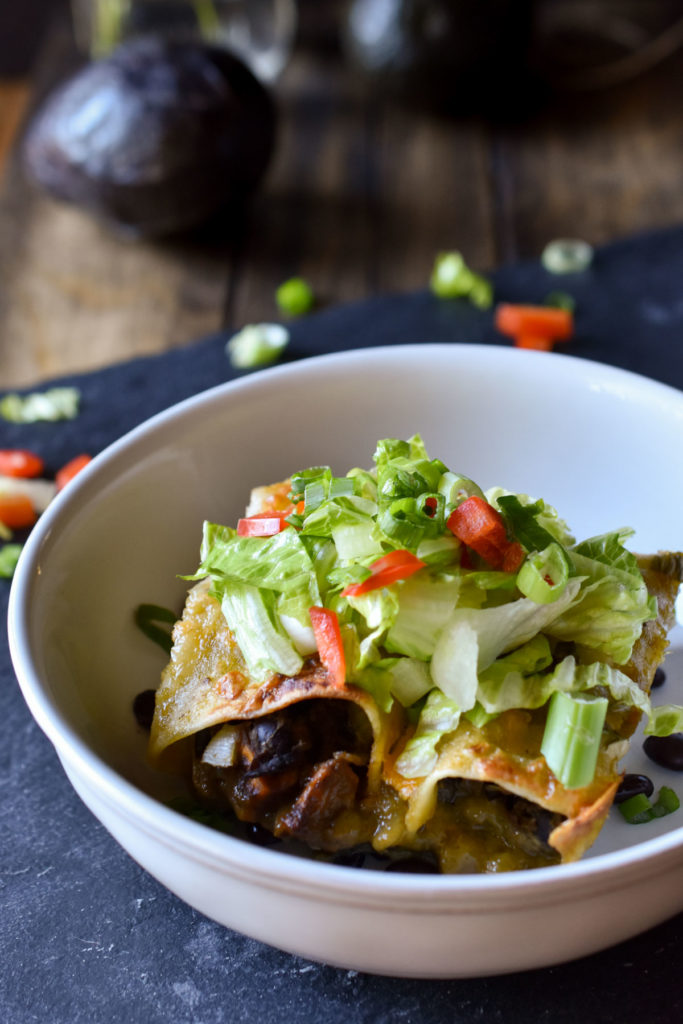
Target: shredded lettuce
[504, 627]
[613, 603]
[545, 516]
[250, 613]
[440, 716]
[458, 637]
[425, 604]
[280, 563]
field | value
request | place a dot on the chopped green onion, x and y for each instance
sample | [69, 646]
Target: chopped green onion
[41, 406]
[544, 575]
[638, 810]
[147, 615]
[314, 494]
[407, 520]
[666, 803]
[301, 480]
[257, 345]
[452, 279]
[9, 556]
[561, 300]
[567, 256]
[571, 739]
[524, 524]
[341, 487]
[295, 296]
[665, 720]
[455, 488]
[364, 483]
[481, 293]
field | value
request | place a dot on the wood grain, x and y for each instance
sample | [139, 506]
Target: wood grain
[360, 197]
[598, 165]
[75, 297]
[14, 96]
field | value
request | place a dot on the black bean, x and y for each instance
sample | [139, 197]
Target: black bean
[632, 785]
[143, 708]
[414, 866]
[354, 859]
[255, 833]
[666, 750]
[277, 744]
[659, 678]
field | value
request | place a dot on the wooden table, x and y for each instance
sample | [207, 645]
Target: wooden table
[360, 197]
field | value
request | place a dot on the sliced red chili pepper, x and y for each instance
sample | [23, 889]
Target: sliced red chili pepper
[329, 642]
[513, 557]
[481, 527]
[431, 505]
[66, 474]
[390, 568]
[20, 463]
[263, 524]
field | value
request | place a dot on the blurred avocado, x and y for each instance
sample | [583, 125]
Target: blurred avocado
[450, 55]
[155, 138]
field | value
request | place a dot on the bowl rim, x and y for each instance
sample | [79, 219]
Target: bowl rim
[276, 867]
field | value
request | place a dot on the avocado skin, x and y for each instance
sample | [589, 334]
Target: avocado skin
[154, 138]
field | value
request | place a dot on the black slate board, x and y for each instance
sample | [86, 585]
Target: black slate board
[87, 936]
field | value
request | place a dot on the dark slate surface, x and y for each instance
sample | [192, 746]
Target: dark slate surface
[87, 936]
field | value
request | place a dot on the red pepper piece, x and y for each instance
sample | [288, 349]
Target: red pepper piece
[534, 322]
[263, 524]
[482, 528]
[17, 511]
[20, 463]
[397, 565]
[66, 474]
[328, 639]
[534, 342]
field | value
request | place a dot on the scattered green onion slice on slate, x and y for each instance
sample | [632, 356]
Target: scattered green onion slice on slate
[257, 345]
[9, 556]
[146, 618]
[638, 810]
[567, 256]
[295, 296]
[53, 404]
[571, 739]
[452, 279]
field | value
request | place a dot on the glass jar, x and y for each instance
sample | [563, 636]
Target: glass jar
[261, 32]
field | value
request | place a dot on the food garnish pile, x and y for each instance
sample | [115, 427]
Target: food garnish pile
[395, 662]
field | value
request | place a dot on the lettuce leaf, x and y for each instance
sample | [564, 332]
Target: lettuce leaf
[504, 627]
[425, 604]
[613, 603]
[280, 563]
[439, 717]
[266, 647]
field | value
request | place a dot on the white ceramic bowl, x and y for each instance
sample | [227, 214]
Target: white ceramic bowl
[601, 444]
